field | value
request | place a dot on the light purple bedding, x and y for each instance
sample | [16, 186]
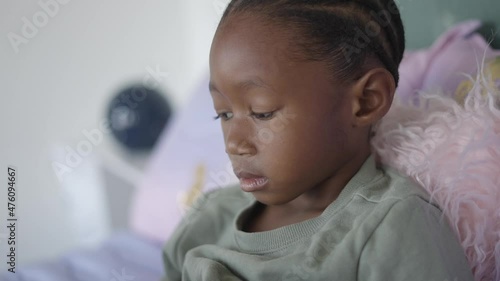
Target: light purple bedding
[125, 256]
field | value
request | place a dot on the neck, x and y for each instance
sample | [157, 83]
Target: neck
[323, 194]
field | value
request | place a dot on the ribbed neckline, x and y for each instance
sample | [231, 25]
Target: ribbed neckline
[276, 239]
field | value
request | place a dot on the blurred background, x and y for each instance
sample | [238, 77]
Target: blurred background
[62, 65]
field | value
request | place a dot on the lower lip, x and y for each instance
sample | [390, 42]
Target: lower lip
[253, 184]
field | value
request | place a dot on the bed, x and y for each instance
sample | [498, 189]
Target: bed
[187, 162]
[124, 256]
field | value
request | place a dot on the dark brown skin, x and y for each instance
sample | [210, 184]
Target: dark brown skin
[316, 131]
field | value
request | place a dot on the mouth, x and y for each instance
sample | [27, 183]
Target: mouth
[251, 182]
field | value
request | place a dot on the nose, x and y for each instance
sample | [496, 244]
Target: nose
[238, 138]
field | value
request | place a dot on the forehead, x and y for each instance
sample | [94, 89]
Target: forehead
[244, 43]
[247, 47]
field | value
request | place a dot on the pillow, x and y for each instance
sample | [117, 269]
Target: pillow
[443, 65]
[453, 151]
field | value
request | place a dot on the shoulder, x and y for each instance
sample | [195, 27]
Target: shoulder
[416, 241]
[410, 231]
[394, 187]
[205, 222]
[217, 204]
[225, 197]
[394, 199]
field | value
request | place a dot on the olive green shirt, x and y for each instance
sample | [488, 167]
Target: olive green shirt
[382, 227]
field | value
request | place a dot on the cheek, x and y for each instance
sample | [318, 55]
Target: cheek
[270, 135]
[283, 144]
[305, 140]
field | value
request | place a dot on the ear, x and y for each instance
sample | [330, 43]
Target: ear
[372, 96]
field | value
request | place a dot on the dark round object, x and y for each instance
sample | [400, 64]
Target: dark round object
[137, 116]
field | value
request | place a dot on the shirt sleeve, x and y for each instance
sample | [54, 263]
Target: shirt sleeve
[413, 242]
[180, 241]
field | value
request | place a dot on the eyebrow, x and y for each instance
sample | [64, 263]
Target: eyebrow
[246, 84]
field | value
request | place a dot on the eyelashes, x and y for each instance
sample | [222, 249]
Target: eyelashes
[224, 116]
[263, 116]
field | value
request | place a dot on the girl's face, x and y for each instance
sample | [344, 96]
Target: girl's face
[286, 126]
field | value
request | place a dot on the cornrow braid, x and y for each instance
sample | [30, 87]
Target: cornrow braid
[342, 32]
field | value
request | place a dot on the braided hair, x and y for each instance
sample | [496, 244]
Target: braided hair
[344, 33]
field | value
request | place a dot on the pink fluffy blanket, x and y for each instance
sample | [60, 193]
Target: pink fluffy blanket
[453, 151]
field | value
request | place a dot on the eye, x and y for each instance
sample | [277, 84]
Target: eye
[224, 116]
[263, 116]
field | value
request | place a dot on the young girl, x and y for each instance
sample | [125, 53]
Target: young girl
[297, 85]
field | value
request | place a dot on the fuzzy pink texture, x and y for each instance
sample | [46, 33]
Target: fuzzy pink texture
[453, 151]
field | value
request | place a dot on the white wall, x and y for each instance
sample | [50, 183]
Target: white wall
[57, 84]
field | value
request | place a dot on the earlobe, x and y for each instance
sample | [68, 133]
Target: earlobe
[373, 94]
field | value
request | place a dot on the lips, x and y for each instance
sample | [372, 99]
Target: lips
[251, 182]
